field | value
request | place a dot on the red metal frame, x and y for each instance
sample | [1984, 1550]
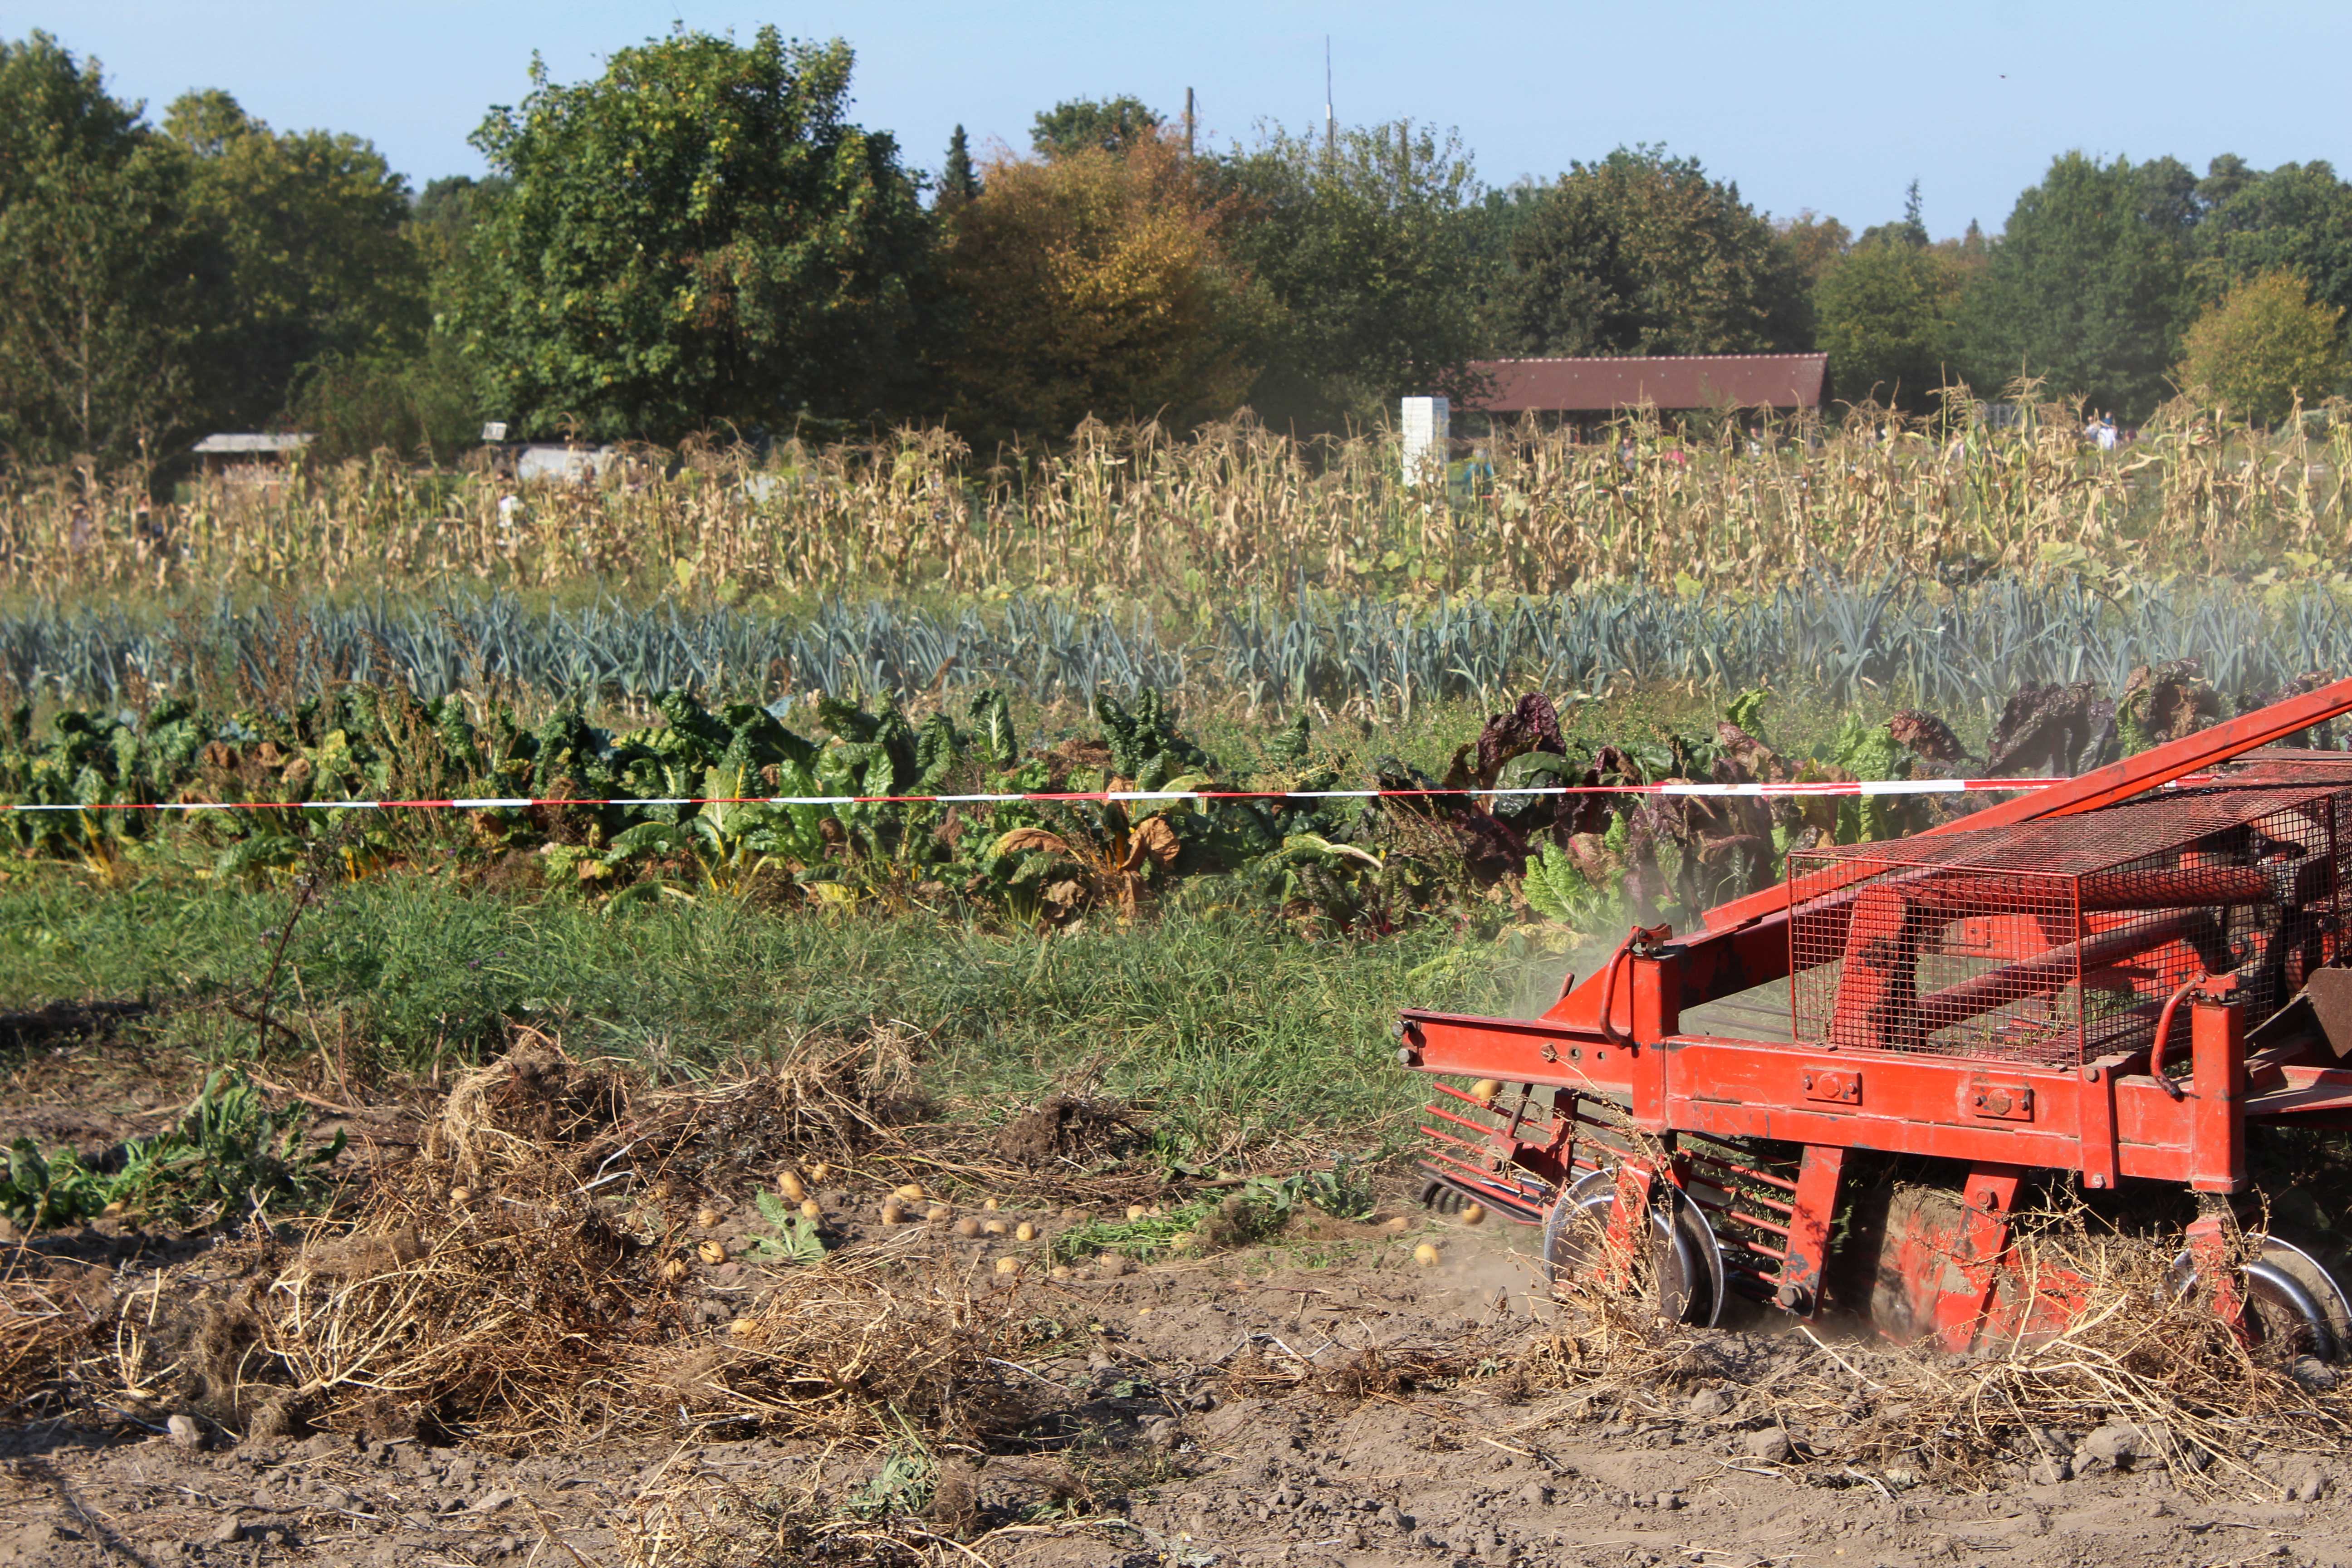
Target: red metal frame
[1617, 1039]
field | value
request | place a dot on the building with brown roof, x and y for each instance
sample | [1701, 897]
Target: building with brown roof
[1582, 391]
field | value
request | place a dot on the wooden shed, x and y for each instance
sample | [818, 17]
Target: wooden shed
[220, 453]
[1588, 391]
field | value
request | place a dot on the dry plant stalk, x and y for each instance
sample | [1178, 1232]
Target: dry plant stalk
[825, 1096]
[41, 1330]
[697, 1517]
[845, 1353]
[512, 1317]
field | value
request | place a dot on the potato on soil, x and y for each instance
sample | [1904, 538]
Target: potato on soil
[707, 1217]
[1473, 1214]
[788, 1182]
[713, 1252]
[913, 1193]
[993, 1227]
[939, 1212]
[892, 1213]
[1008, 1266]
[1025, 1231]
[967, 1226]
[812, 1210]
[1425, 1254]
[1136, 1210]
[676, 1270]
[990, 1205]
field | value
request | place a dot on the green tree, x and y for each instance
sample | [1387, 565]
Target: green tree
[1888, 314]
[700, 236]
[100, 276]
[1370, 258]
[420, 400]
[1096, 124]
[441, 224]
[2295, 218]
[2265, 343]
[311, 228]
[1643, 254]
[1813, 242]
[959, 181]
[419, 405]
[2088, 287]
[1092, 283]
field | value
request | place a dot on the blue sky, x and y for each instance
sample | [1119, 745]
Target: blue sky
[1831, 107]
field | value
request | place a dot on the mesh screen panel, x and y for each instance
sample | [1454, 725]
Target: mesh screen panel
[2056, 943]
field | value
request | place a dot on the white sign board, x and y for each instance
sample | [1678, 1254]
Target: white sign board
[495, 430]
[1423, 422]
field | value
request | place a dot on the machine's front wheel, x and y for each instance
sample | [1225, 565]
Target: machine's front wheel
[1681, 1269]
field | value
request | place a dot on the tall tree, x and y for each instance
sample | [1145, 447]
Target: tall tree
[310, 226]
[1369, 255]
[958, 181]
[699, 235]
[100, 277]
[2088, 287]
[1092, 283]
[1889, 320]
[1813, 242]
[1642, 253]
[2295, 218]
[1092, 125]
[2262, 346]
[441, 224]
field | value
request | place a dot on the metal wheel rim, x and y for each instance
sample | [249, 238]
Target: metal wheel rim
[1678, 1231]
[2290, 1282]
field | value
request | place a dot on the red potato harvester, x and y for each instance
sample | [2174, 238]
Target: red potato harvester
[2108, 980]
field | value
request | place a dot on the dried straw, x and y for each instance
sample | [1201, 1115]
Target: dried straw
[2138, 1354]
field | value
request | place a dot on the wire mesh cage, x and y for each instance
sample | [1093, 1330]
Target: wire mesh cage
[2058, 942]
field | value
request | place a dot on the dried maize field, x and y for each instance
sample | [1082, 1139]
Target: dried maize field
[1187, 524]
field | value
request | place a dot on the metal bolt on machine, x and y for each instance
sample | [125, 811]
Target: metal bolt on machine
[2101, 985]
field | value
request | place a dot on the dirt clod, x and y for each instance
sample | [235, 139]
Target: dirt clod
[1063, 1128]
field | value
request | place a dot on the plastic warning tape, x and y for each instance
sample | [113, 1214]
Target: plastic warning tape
[517, 803]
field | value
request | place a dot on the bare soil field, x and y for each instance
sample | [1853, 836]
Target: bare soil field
[499, 1354]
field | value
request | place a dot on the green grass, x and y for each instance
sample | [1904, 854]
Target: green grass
[1229, 1027]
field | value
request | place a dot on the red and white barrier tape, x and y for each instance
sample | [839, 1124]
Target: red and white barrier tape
[496, 802]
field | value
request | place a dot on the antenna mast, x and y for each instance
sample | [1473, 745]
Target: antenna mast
[1330, 124]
